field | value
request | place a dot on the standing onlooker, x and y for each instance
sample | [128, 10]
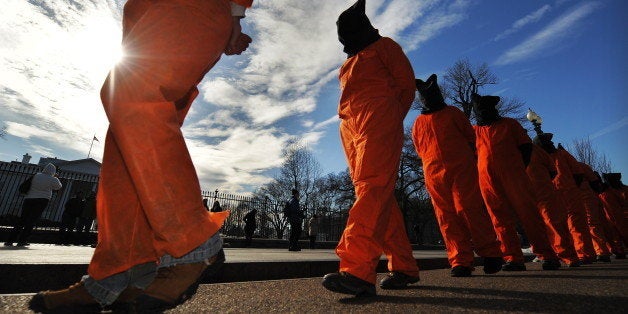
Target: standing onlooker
[216, 207]
[35, 202]
[86, 218]
[206, 203]
[295, 218]
[73, 209]
[250, 224]
[313, 230]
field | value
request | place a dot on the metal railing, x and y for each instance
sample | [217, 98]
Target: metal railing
[270, 221]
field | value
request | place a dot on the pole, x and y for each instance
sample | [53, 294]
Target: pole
[90, 146]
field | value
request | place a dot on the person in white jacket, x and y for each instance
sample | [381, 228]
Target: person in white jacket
[35, 202]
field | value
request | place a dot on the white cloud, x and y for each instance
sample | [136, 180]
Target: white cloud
[611, 128]
[56, 54]
[528, 19]
[549, 36]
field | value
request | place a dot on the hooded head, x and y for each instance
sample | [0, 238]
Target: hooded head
[545, 140]
[49, 169]
[355, 31]
[431, 98]
[485, 109]
[613, 179]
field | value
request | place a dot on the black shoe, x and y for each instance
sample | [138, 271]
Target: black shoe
[514, 266]
[574, 264]
[604, 258]
[294, 249]
[8, 243]
[343, 282]
[586, 261]
[551, 264]
[22, 244]
[620, 256]
[493, 264]
[397, 280]
[461, 271]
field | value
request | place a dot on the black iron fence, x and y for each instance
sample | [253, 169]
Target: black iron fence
[270, 221]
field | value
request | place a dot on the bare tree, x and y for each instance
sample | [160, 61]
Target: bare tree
[463, 79]
[585, 152]
[300, 169]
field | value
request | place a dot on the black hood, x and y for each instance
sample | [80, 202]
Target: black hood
[613, 179]
[485, 109]
[431, 98]
[355, 31]
[545, 140]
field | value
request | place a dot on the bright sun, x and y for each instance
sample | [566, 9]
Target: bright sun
[98, 45]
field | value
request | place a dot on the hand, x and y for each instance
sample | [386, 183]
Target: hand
[238, 42]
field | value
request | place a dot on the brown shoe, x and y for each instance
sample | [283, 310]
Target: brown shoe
[175, 284]
[76, 298]
[73, 298]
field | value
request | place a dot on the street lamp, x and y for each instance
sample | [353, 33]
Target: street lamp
[536, 121]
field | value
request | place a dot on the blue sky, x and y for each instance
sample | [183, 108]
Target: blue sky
[564, 58]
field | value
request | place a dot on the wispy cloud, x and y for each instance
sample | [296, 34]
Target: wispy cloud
[611, 128]
[520, 23]
[549, 36]
[56, 54]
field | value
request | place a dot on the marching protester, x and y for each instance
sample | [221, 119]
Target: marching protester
[377, 89]
[504, 151]
[445, 141]
[149, 198]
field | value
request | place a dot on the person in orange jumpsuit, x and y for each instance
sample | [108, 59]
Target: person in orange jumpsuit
[593, 206]
[445, 142]
[567, 182]
[377, 83]
[155, 239]
[541, 171]
[612, 198]
[504, 151]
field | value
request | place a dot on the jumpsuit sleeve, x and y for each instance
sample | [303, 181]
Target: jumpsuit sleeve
[574, 166]
[524, 143]
[401, 71]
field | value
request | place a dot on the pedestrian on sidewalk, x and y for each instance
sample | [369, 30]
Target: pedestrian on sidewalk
[313, 230]
[86, 219]
[156, 240]
[250, 224]
[35, 201]
[377, 89]
[72, 210]
[444, 140]
[295, 217]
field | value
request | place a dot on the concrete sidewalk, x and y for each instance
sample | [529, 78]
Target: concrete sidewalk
[597, 288]
[46, 266]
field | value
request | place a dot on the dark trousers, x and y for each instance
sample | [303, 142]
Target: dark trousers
[248, 234]
[313, 241]
[32, 208]
[295, 233]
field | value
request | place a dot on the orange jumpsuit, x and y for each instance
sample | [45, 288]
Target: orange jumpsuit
[593, 207]
[149, 199]
[550, 204]
[564, 182]
[445, 141]
[613, 202]
[377, 90]
[507, 191]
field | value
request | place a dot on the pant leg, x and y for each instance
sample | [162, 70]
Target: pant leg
[470, 207]
[577, 222]
[372, 141]
[593, 209]
[502, 216]
[149, 194]
[554, 214]
[31, 212]
[453, 226]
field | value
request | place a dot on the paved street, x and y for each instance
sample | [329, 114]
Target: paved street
[597, 288]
